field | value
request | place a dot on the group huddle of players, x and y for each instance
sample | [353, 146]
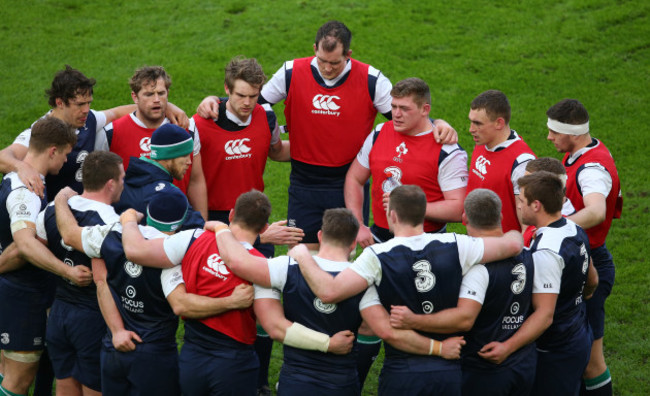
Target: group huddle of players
[84, 279]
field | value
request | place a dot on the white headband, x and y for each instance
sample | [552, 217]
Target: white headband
[568, 129]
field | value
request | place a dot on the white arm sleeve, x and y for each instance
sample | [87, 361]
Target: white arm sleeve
[170, 278]
[275, 90]
[452, 173]
[470, 251]
[520, 170]
[475, 284]
[594, 178]
[383, 87]
[93, 237]
[370, 298]
[367, 265]
[176, 245]
[364, 153]
[40, 225]
[100, 116]
[548, 271]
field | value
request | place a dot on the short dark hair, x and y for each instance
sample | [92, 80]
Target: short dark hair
[100, 167]
[340, 227]
[568, 111]
[252, 210]
[67, 84]
[51, 131]
[483, 209]
[409, 203]
[495, 103]
[414, 87]
[332, 33]
[544, 187]
[148, 75]
[246, 69]
[548, 164]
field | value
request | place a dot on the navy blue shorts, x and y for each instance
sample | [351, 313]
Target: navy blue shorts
[224, 371]
[306, 208]
[149, 370]
[604, 264]
[559, 372]
[74, 339]
[320, 381]
[434, 383]
[516, 380]
[22, 317]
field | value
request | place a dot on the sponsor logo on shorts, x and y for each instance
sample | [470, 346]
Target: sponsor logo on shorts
[324, 308]
[237, 149]
[326, 104]
[134, 270]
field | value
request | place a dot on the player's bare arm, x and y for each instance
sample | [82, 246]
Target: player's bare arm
[123, 340]
[444, 133]
[11, 160]
[280, 151]
[449, 209]
[499, 248]
[593, 213]
[329, 289]
[197, 190]
[65, 220]
[408, 340]
[243, 264]
[10, 259]
[209, 108]
[446, 321]
[355, 179]
[541, 318]
[138, 249]
[592, 281]
[270, 314]
[194, 306]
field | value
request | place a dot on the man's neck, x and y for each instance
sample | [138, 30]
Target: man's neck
[404, 230]
[582, 142]
[242, 235]
[99, 196]
[480, 233]
[424, 125]
[502, 137]
[37, 161]
[544, 219]
[150, 124]
[333, 253]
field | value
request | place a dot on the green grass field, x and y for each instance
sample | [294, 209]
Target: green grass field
[537, 52]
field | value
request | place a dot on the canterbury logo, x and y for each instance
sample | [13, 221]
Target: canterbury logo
[217, 265]
[326, 102]
[237, 146]
[481, 164]
[145, 144]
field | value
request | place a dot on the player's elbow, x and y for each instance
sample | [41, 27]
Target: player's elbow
[466, 323]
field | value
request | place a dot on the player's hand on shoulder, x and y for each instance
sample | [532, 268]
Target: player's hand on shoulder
[131, 215]
[401, 317]
[444, 133]
[279, 234]
[65, 194]
[209, 108]
[212, 225]
[242, 296]
[177, 116]
[298, 252]
[341, 342]
[451, 347]
[30, 178]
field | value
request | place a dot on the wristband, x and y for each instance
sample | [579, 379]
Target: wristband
[432, 346]
[431, 342]
[220, 229]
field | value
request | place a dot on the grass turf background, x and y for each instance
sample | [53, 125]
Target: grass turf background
[537, 52]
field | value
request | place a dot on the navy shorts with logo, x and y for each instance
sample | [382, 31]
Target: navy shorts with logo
[23, 315]
[74, 339]
[151, 369]
[604, 264]
[224, 371]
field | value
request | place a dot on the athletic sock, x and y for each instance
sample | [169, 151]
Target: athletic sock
[263, 348]
[5, 392]
[368, 350]
[599, 386]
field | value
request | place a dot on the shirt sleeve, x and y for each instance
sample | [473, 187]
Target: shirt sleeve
[176, 246]
[23, 137]
[100, 117]
[265, 292]
[594, 178]
[197, 140]
[275, 90]
[519, 170]
[273, 123]
[470, 251]
[364, 154]
[367, 265]
[170, 278]
[383, 87]
[101, 141]
[93, 237]
[452, 173]
[278, 270]
[548, 271]
[475, 283]
[40, 226]
[370, 298]
[23, 207]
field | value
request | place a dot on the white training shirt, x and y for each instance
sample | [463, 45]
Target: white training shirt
[24, 137]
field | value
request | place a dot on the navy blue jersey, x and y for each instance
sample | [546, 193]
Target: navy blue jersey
[70, 174]
[27, 276]
[138, 294]
[302, 306]
[569, 244]
[506, 306]
[143, 179]
[87, 213]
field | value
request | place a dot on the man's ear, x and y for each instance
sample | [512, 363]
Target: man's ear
[320, 236]
[231, 214]
[134, 96]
